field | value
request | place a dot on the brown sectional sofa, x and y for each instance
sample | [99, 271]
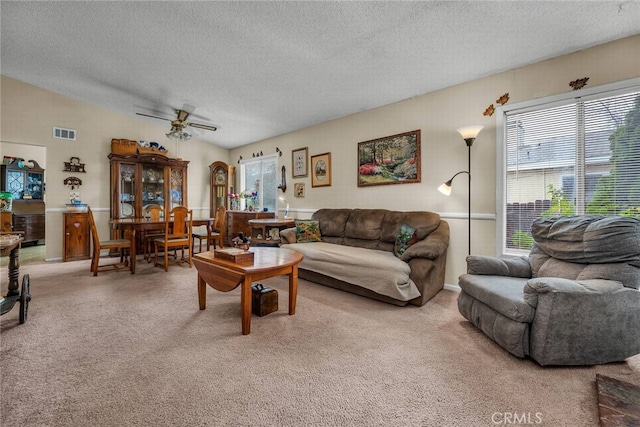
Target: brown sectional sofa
[357, 254]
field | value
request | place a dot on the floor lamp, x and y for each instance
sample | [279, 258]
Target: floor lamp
[469, 135]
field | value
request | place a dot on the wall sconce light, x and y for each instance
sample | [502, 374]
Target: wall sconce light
[469, 135]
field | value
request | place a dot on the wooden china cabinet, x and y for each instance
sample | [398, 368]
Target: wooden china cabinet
[138, 180]
[25, 182]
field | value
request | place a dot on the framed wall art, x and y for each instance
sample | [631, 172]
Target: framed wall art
[393, 159]
[321, 170]
[298, 189]
[300, 162]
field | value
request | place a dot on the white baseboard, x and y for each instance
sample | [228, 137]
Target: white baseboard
[454, 288]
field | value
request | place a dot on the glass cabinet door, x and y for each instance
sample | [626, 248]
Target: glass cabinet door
[127, 183]
[176, 198]
[152, 185]
[33, 186]
[15, 184]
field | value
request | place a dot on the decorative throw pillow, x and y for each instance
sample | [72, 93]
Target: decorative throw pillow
[307, 231]
[404, 239]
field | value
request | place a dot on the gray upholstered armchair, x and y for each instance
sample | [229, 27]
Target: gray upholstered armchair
[573, 301]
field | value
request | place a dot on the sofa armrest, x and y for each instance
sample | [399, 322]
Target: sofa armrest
[541, 285]
[288, 235]
[585, 328]
[492, 266]
[431, 247]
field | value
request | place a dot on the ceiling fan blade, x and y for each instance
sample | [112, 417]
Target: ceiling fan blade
[188, 108]
[201, 126]
[154, 117]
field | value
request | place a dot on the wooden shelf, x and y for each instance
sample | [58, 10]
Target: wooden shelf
[268, 229]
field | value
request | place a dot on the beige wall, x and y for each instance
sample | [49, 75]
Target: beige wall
[444, 153]
[29, 113]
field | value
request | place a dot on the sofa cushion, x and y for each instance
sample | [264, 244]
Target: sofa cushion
[503, 294]
[363, 228]
[379, 271]
[424, 223]
[587, 247]
[589, 239]
[307, 231]
[405, 238]
[332, 223]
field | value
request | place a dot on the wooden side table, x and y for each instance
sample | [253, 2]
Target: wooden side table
[267, 230]
[76, 237]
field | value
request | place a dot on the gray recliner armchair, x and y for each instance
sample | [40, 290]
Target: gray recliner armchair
[573, 301]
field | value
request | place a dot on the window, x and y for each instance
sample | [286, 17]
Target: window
[577, 155]
[259, 175]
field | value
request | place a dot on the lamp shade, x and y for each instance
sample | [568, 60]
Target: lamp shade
[445, 188]
[468, 132]
[286, 209]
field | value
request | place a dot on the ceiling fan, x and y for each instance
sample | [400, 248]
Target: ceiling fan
[180, 123]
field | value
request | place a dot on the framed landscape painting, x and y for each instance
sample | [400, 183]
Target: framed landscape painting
[393, 159]
[321, 170]
[299, 162]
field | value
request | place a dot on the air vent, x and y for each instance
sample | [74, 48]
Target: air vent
[62, 133]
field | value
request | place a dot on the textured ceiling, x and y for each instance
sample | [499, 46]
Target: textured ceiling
[261, 69]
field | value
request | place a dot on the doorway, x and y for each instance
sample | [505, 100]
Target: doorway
[31, 252]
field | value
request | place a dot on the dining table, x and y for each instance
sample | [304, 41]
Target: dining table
[132, 226]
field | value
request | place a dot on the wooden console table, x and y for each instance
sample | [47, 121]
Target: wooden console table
[267, 230]
[238, 222]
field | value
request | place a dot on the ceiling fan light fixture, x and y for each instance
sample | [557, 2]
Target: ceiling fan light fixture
[179, 134]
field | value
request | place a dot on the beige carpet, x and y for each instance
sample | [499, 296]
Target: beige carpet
[123, 350]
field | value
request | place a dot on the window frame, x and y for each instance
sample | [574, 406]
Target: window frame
[243, 183]
[585, 94]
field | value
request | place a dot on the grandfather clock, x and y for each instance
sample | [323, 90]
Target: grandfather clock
[220, 186]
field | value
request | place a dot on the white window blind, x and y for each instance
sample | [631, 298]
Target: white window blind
[580, 156]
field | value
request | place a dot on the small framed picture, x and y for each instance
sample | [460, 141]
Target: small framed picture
[321, 170]
[299, 162]
[298, 189]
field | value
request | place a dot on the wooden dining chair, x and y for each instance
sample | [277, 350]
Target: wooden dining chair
[216, 232]
[151, 213]
[123, 245]
[178, 232]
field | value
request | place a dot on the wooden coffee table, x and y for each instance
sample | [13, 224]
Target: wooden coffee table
[225, 276]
